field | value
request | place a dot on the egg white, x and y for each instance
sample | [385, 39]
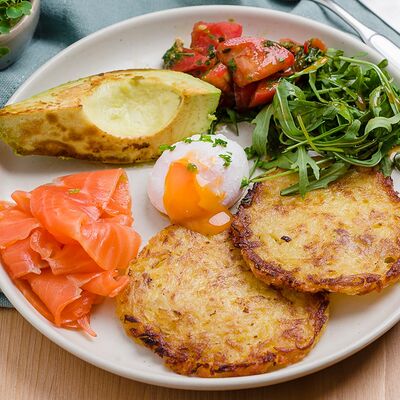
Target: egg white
[210, 169]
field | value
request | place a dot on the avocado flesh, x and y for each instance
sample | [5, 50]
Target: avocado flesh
[115, 117]
[132, 108]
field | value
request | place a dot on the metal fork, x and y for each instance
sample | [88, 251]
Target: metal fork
[380, 43]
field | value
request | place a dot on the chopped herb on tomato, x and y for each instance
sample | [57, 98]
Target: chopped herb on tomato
[232, 65]
[206, 34]
[179, 58]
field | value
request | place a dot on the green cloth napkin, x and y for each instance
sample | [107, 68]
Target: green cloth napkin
[63, 22]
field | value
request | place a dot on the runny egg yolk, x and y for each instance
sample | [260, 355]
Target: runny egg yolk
[193, 206]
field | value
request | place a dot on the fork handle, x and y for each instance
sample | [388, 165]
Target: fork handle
[380, 43]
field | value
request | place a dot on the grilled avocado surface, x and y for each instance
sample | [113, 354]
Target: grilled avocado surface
[113, 117]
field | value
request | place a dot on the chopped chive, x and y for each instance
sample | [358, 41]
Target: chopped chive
[74, 191]
[165, 147]
[227, 159]
[192, 167]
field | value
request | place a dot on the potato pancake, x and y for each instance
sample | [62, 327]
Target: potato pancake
[344, 239]
[194, 302]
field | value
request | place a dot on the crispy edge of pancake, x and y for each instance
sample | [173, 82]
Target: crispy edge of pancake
[185, 360]
[272, 274]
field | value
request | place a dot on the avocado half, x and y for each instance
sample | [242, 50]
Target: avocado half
[113, 117]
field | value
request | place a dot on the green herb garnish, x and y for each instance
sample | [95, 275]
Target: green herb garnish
[220, 142]
[74, 191]
[206, 138]
[211, 51]
[192, 167]
[227, 159]
[232, 65]
[268, 43]
[174, 54]
[165, 147]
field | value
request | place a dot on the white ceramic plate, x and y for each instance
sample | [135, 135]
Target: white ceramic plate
[140, 42]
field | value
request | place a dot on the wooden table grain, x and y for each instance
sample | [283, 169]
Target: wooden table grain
[32, 367]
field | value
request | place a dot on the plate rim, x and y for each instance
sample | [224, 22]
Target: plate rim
[178, 381]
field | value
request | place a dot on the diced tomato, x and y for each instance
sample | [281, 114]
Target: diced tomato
[316, 43]
[190, 60]
[292, 45]
[243, 95]
[179, 58]
[264, 92]
[218, 76]
[253, 59]
[206, 36]
[289, 41]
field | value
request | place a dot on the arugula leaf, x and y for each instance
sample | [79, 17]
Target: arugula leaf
[284, 161]
[386, 166]
[328, 175]
[336, 112]
[233, 120]
[260, 133]
[302, 162]
[382, 122]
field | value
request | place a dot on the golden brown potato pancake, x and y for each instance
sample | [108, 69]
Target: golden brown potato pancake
[195, 303]
[345, 238]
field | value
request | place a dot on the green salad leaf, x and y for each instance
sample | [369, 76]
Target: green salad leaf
[337, 112]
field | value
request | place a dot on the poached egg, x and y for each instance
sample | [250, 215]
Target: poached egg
[197, 180]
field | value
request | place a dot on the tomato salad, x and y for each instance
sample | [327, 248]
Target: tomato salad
[246, 69]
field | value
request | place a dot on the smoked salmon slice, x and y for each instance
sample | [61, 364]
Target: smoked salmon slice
[88, 183]
[65, 243]
[62, 259]
[62, 211]
[26, 290]
[23, 201]
[54, 291]
[15, 225]
[72, 259]
[44, 243]
[21, 260]
[107, 283]
[110, 244]
[120, 201]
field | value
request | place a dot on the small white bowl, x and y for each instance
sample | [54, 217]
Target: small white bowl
[19, 36]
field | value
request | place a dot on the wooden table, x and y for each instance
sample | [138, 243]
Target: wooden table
[32, 367]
